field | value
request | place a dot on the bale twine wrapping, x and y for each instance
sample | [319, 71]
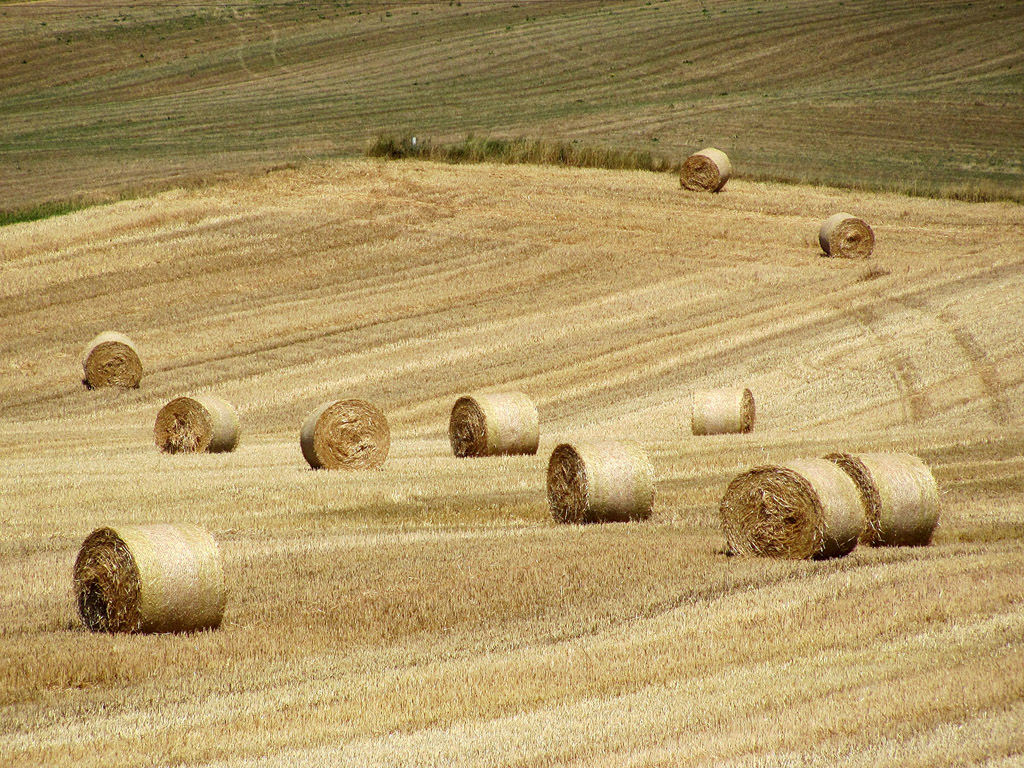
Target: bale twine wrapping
[150, 578]
[705, 171]
[600, 482]
[805, 508]
[722, 411]
[346, 434]
[111, 360]
[847, 237]
[202, 423]
[502, 424]
[899, 495]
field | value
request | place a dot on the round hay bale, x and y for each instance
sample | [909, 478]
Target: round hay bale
[150, 578]
[722, 411]
[805, 508]
[600, 483]
[203, 423]
[111, 360]
[346, 434]
[502, 424]
[705, 171]
[899, 494]
[845, 236]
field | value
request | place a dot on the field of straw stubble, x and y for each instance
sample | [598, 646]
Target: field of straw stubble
[431, 613]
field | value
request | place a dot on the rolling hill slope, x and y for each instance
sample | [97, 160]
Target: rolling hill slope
[431, 613]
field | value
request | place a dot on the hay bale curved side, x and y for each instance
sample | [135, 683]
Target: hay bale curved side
[705, 171]
[501, 424]
[111, 360]
[346, 434]
[899, 494]
[150, 578]
[845, 236]
[722, 411]
[600, 482]
[201, 423]
[805, 508]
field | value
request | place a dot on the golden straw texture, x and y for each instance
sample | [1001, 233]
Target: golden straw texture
[805, 508]
[899, 494]
[150, 578]
[722, 411]
[196, 424]
[705, 171]
[500, 424]
[111, 360]
[845, 236]
[600, 482]
[346, 434]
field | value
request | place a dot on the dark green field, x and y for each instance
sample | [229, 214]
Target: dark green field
[101, 100]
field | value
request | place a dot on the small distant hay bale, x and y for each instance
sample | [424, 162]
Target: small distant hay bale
[111, 360]
[346, 434]
[847, 237]
[899, 494]
[805, 508]
[150, 578]
[722, 411]
[705, 171]
[502, 424]
[600, 482]
[198, 424]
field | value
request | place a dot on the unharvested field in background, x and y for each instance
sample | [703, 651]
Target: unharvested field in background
[431, 613]
[97, 99]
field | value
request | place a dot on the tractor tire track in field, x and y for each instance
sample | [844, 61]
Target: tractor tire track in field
[912, 398]
[980, 365]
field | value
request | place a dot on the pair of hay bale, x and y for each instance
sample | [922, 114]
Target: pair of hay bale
[111, 360]
[821, 508]
[197, 424]
[722, 411]
[150, 578]
[587, 482]
[844, 236]
[341, 434]
[184, 425]
[841, 235]
[705, 171]
[507, 423]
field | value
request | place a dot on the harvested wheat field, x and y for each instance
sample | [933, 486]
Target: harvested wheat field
[431, 612]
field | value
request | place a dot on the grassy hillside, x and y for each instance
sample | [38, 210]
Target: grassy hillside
[97, 99]
[431, 613]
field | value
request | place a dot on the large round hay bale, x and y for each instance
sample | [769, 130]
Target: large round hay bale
[202, 423]
[501, 424]
[899, 494]
[845, 236]
[600, 482]
[722, 411]
[705, 171]
[805, 508]
[346, 434]
[111, 360]
[150, 578]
